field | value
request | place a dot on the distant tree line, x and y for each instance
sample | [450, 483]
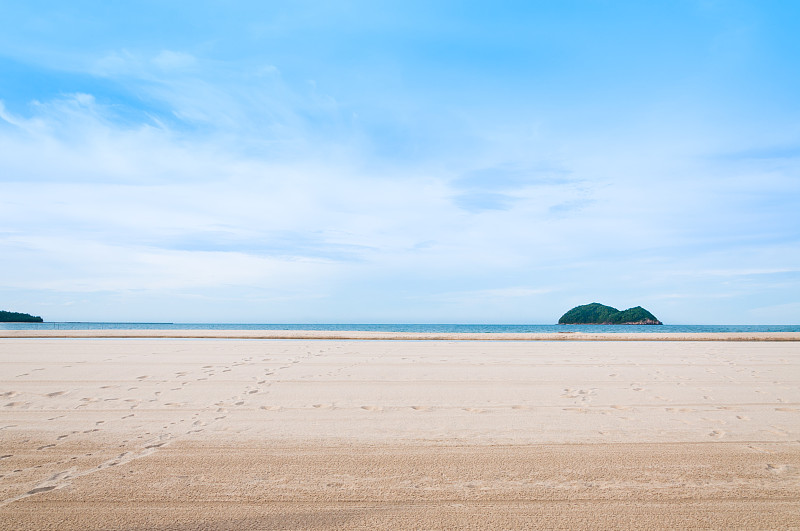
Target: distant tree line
[16, 317]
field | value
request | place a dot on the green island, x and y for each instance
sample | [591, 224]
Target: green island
[596, 313]
[15, 317]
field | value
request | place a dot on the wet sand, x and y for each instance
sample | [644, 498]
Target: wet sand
[230, 433]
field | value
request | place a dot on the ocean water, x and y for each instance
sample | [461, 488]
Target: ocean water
[440, 328]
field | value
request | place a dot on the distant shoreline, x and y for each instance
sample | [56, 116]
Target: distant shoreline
[393, 336]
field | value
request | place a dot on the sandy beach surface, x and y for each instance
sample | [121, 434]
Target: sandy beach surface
[237, 432]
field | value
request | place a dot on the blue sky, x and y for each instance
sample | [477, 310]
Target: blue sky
[341, 162]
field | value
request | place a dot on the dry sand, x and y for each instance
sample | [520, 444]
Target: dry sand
[346, 434]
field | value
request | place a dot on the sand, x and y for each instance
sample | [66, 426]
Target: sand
[226, 433]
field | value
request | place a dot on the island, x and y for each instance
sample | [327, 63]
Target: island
[15, 317]
[600, 314]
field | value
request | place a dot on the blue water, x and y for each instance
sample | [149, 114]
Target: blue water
[441, 328]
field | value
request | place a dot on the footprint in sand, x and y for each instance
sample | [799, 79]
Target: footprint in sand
[742, 417]
[476, 410]
[619, 408]
[322, 406]
[9, 394]
[777, 430]
[519, 407]
[372, 408]
[56, 393]
[759, 449]
[420, 408]
[717, 434]
[780, 469]
[271, 408]
[37, 490]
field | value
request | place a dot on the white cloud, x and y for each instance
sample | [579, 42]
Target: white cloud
[261, 187]
[81, 265]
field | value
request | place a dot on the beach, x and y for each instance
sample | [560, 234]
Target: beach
[216, 429]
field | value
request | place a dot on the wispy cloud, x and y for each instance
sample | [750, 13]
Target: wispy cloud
[457, 171]
[481, 296]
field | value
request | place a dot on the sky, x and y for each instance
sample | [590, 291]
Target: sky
[399, 162]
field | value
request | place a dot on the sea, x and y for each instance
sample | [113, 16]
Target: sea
[435, 328]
